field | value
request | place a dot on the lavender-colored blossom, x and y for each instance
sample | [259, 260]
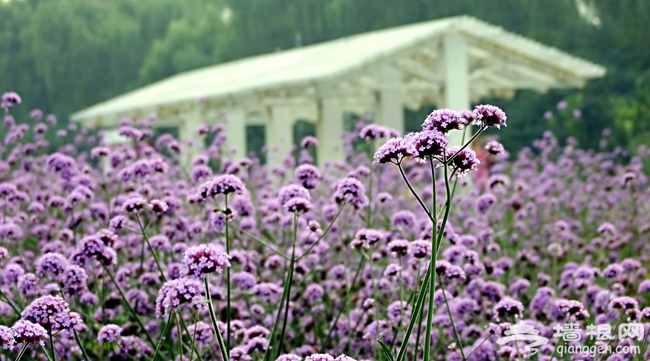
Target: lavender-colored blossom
[428, 143]
[223, 184]
[443, 120]
[464, 161]
[490, 116]
[28, 332]
[204, 259]
[307, 175]
[394, 151]
[108, 333]
[176, 293]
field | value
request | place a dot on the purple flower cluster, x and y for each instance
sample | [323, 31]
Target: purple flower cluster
[204, 259]
[555, 234]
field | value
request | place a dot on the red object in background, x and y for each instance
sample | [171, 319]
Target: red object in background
[482, 172]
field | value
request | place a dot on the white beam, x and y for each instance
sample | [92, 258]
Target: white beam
[279, 133]
[329, 130]
[235, 146]
[390, 107]
[456, 70]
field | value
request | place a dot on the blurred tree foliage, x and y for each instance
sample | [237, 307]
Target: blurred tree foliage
[64, 55]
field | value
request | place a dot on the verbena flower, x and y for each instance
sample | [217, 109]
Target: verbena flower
[224, 184]
[204, 259]
[508, 308]
[108, 333]
[29, 333]
[7, 339]
[394, 151]
[51, 312]
[464, 161]
[443, 120]
[428, 143]
[177, 292]
[490, 116]
[308, 176]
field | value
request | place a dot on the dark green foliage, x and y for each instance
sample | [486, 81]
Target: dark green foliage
[65, 55]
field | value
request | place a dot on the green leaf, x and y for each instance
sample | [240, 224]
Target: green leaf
[386, 350]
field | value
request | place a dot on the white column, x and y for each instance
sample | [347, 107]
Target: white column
[191, 143]
[456, 67]
[236, 133]
[390, 109]
[279, 134]
[329, 129]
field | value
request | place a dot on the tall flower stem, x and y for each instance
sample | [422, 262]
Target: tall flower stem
[288, 285]
[155, 256]
[128, 305]
[213, 318]
[22, 352]
[228, 293]
[436, 238]
[162, 337]
[453, 325]
[434, 259]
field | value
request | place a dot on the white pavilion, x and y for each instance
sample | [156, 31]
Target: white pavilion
[452, 63]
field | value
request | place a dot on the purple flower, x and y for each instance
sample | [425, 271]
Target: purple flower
[494, 147]
[108, 333]
[352, 191]
[299, 205]
[490, 116]
[428, 143]
[7, 340]
[508, 307]
[366, 238]
[464, 161]
[420, 248]
[29, 333]
[134, 205]
[320, 357]
[51, 263]
[51, 312]
[158, 206]
[223, 184]
[206, 258]
[308, 141]
[176, 293]
[10, 99]
[292, 191]
[73, 279]
[394, 151]
[307, 175]
[443, 120]
[374, 131]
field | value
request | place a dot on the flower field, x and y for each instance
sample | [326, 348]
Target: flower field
[136, 252]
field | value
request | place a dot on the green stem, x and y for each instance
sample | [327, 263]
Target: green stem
[343, 305]
[81, 346]
[264, 243]
[155, 256]
[46, 353]
[304, 254]
[213, 318]
[22, 352]
[162, 337]
[288, 285]
[196, 316]
[49, 333]
[417, 197]
[180, 335]
[128, 305]
[228, 293]
[453, 325]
